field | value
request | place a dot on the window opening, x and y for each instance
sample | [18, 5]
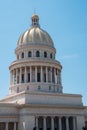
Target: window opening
[29, 54]
[45, 54]
[28, 77]
[22, 78]
[37, 54]
[22, 55]
[38, 77]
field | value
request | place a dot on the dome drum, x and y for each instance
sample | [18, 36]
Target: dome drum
[34, 75]
[45, 53]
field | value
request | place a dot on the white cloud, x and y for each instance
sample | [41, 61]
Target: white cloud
[70, 56]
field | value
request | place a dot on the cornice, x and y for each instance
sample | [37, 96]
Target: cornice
[2, 104]
[35, 46]
[37, 62]
[58, 106]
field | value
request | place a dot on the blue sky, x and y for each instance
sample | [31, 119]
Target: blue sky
[65, 21]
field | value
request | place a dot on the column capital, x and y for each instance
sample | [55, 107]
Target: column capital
[60, 117]
[53, 117]
[7, 122]
[44, 116]
[67, 117]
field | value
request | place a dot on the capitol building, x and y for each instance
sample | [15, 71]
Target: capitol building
[36, 99]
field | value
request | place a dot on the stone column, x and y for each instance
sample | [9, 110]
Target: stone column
[14, 125]
[16, 75]
[41, 74]
[36, 123]
[60, 124]
[20, 74]
[55, 79]
[30, 74]
[25, 75]
[13, 78]
[6, 125]
[46, 74]
[74, 124]
[57, 75]
[10, 77]
[44, 123]
[67, 123]
[35, 73]
[52, 123]
[60, 78]
[51, 74]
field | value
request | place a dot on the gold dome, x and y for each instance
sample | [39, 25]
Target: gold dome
[35, 35]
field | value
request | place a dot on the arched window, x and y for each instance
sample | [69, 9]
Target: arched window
[22, 55]
[45, 54]
[29, 54]
[37, 54]
[51, 56]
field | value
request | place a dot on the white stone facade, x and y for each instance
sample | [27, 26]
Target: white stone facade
[36, 98]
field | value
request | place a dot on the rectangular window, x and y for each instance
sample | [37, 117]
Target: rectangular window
[2, 126]
[38, 77]
[28, 77]
[44, 77]
[11, 126]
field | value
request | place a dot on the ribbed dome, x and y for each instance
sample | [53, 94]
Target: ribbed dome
[35, 35]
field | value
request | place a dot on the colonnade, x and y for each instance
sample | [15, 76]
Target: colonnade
[35, 74]
[8, 126]
[55, 123]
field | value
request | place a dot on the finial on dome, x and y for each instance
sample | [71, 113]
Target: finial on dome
[35, 19]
